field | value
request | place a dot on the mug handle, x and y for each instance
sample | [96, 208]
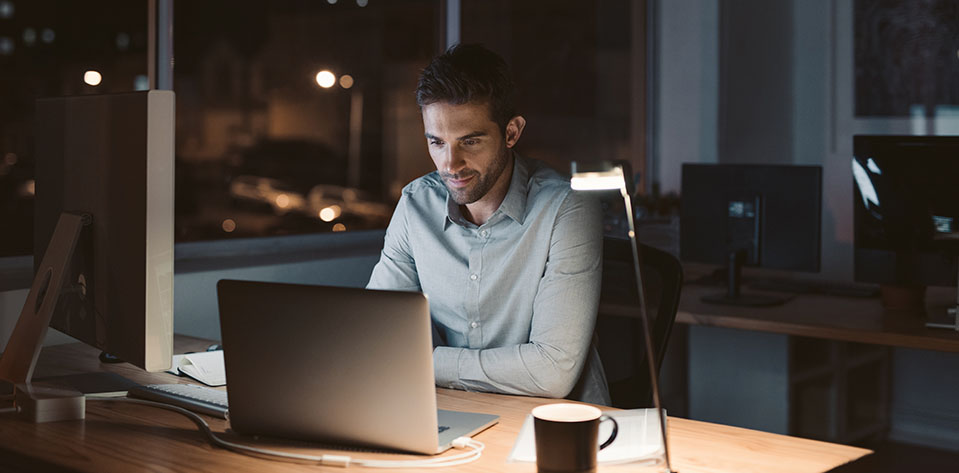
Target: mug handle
[612, 436]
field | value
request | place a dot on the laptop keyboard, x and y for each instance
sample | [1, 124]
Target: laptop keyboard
[188, 396]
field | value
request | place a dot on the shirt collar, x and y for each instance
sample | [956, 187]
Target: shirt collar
[513, 205]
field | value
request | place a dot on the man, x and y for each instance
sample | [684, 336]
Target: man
[509, 256]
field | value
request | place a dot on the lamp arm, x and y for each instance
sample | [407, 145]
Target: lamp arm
[647, 328]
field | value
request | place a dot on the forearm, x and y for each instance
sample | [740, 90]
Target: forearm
[532, 369]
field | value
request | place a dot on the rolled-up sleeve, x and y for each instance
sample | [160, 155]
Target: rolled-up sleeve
[396, 268]
[564, 315]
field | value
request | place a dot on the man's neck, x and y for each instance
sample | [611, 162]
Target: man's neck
[480, 211]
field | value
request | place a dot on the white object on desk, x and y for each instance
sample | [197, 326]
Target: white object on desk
[639, 438]
[205, 367]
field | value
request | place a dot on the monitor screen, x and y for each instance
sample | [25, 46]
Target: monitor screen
[906, 209]
[770, 213]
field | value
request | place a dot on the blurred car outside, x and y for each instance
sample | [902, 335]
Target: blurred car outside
[281, 197]
[331, 202]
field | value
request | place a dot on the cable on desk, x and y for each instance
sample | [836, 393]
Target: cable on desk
[476, 447]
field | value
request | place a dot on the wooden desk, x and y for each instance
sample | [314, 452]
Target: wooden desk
[124, 437]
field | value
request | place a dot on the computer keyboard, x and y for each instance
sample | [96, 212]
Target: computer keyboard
[188, 396]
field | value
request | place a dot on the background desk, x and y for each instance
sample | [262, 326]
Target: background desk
[849, 319]
[124, 437]
[818, 366]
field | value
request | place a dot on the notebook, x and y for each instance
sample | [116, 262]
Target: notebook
[205, 367]
[331, 364]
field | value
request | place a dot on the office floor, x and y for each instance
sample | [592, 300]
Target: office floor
[891, 457]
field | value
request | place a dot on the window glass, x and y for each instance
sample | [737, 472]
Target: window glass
[572, 63]
[297, 117]
[56, 48]
[905, 59]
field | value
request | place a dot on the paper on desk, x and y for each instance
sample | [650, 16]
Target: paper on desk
[205, 367]
[639, 438]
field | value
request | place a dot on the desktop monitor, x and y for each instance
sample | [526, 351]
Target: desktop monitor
[750, 215]
[103, 241]
[906, 209]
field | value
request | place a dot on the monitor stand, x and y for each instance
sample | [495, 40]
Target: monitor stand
[733, 295]
[952, 312]
[35, 402]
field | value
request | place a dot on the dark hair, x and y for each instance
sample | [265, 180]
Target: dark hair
[469, 73]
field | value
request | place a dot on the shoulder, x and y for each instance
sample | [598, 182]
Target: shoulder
[550, 189]
[425, 187]
[546, 182]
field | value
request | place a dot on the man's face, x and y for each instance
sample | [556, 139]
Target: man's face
[467, 147]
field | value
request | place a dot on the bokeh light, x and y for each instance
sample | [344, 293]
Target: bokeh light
[92, 78]
[325, 79]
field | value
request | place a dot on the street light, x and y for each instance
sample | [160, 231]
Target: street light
[325, 79]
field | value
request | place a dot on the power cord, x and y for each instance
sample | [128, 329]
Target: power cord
[331, 460]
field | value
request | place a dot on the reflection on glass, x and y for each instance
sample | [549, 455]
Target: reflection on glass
[866, 189]
[6, 9]
[6, 46]
[141, 82]
[29, 36]
[944, 224]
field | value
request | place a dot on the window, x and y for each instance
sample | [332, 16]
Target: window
[55, 48]
[297, 117]
[577, 74]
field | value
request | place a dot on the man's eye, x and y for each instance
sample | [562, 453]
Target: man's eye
[470, 142]
[436, 143]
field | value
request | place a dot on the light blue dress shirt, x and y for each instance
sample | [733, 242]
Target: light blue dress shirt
[513, 301]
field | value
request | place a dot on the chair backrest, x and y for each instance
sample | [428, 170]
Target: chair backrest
[619, 327]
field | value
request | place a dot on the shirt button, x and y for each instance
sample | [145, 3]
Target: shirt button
[474, 324]
[473, 277]
[484, 233]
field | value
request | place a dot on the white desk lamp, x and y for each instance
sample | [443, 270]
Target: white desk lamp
[612, 178]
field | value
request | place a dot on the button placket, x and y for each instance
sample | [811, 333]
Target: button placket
[473, 293]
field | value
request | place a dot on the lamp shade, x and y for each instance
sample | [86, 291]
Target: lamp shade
[611, 178]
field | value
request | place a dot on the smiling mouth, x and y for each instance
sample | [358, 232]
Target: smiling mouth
[462, 182]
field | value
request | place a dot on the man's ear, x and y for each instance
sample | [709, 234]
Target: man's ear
[514, 129]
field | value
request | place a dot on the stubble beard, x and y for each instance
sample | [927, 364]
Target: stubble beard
[482, 183]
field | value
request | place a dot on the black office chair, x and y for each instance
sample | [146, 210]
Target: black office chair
[619, 329]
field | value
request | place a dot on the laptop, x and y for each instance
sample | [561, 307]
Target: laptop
[335, 365]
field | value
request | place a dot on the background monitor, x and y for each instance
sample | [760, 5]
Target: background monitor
[750, 215]
[906, 209]
[111, 157]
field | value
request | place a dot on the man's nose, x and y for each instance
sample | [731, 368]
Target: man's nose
[454, 160]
